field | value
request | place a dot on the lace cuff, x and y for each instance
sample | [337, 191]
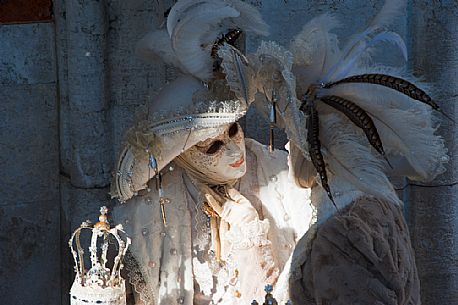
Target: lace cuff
[137, 280]
[249, 235]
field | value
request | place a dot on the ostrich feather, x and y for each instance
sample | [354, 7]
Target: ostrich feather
[156, 45]
[391, 10]
[395, 83]
[235, 66]
[351, 161]
[193, 37]
[314, 49]
[404, 131]
[250, 19]
[177, 11]
[361, 43]
[315, 40]
[360, 118]
[194, 26]
[353, 52]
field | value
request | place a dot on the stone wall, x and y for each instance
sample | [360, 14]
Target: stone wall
[29, 162]
[434, 206]
[71, 87]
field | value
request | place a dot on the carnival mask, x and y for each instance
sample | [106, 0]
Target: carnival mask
[220, 159]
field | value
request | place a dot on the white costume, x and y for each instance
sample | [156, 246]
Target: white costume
[358, 119]
[175, 261]
[345, 123]
[256, 230]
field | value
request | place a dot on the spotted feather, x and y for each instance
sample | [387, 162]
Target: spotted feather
[360, 118]
[313, 140]
[392, 82]
[229, 38]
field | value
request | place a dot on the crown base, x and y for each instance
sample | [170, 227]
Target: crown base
[81, 295]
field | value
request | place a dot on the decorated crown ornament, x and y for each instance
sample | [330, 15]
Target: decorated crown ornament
[102, 282]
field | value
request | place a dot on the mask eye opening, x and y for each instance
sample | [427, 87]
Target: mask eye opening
[214, 147]
[233, 130]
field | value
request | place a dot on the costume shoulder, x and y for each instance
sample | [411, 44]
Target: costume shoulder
[360, 255]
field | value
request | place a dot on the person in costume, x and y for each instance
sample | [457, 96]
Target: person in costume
[350, 125]
[213, 217]
[219, 221]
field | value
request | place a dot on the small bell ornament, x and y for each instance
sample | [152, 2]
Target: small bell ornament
[102, 283]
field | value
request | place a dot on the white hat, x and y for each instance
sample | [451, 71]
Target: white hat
[193, 27]
[185, 113]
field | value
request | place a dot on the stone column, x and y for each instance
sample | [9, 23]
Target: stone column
[87, 93]
[434, 206]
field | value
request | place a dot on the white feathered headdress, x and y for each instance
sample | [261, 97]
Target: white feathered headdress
[353, 120]
[195, 28]
[360, 116]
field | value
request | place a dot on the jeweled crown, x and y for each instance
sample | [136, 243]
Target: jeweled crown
[102, 282]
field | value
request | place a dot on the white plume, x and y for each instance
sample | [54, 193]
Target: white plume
[315, 48]
[391, 10]
[355, 49]
[193, 26]
[404, 125]
[250, 19]
[359, 44]
[194, 35]
[349, 160]
[177, 12]
[156, 45]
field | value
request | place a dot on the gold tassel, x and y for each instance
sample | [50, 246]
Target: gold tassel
[214, 227]
[162, 199]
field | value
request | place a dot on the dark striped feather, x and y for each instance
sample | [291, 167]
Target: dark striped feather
[401, 85]
[314, 145]
[229, 38]
[360, 118]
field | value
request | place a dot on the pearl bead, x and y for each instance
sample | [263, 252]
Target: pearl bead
[151, 264]
[273, 178]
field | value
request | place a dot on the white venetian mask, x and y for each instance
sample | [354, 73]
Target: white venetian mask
[220, 159]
